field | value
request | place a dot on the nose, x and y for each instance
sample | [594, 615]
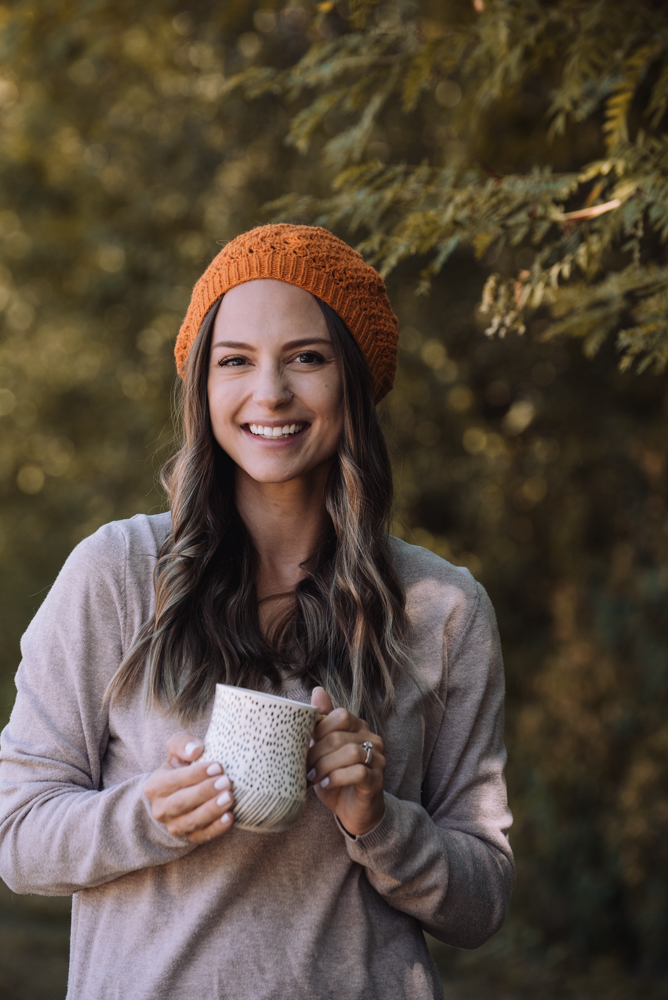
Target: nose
[271, 389]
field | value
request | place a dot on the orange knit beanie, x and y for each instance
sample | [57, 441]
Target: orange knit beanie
[320, 263]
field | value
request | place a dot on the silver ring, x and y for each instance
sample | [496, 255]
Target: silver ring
[368, 746]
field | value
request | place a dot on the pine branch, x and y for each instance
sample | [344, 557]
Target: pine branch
[574, 224]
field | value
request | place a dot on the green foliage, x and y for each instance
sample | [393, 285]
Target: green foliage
[601, 71]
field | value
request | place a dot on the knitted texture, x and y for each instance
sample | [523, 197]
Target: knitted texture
[317, 261]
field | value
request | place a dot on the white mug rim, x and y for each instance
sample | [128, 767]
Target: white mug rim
[268, 697]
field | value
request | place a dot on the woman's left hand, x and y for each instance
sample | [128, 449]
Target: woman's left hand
[352, 789]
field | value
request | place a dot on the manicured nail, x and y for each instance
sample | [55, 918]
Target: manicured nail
[223, 782]
[191, 747]
[311, 775]
[226, 818]
[311, 744]
[224, 799]
[324, 782]
[214, 769]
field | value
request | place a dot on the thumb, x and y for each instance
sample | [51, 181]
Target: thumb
[321, 700]
[182, 749]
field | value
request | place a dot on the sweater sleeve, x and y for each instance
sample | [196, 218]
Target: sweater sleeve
[447, 861]
[60, 831]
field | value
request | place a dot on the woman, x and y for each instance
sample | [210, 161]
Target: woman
[273, 570]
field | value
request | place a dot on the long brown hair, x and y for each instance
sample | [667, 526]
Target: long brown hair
[346, 626]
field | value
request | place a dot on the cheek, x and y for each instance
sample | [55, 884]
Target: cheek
[221, 408]
[329, 400]
[332, 416]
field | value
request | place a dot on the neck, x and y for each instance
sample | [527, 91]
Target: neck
[286, 522]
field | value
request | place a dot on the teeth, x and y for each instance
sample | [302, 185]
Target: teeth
[275, 432]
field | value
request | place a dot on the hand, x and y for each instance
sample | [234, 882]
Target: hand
[192, 800]
[336, 768]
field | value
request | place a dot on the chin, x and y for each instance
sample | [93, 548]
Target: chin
[277, 471]
[275, 475]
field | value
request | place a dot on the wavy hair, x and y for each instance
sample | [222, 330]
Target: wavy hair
[346, 627]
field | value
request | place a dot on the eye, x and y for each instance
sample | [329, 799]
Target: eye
[309, 358]
[234, 362]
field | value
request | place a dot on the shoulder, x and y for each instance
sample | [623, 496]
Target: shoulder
[118, 557]
[417, 565]
[107, 578]
[439, 596]
[128, 540]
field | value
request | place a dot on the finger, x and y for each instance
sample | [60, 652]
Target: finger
[186, 800]
[336, 740]
[349, 755]
[183, 748]
[204, 816]
[339, 719]
[321, 700]
[165, 781]
[358, 775]
[213, 830]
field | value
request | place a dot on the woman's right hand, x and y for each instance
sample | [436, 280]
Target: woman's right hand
[192, 800]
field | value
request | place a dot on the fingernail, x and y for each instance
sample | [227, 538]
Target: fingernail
[223, 782]
[311, 744]
[191, 747]
[311, 774]
[214, 769]
[226, 818]
[224, 799]
[324, 782]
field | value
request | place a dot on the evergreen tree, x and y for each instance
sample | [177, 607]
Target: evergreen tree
[577, 215]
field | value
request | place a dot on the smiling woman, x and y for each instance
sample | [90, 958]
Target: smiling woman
[273, 570]
[276, 406]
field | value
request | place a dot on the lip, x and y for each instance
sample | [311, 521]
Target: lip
[276, 442]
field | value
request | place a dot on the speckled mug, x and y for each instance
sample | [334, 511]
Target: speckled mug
[262, 741]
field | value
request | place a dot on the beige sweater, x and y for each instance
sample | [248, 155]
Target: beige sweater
[309, 913]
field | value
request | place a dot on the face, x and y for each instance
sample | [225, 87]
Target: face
[275, 389]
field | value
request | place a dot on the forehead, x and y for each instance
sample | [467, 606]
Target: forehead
[267, 305]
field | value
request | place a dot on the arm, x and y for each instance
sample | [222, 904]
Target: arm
[447, 862]
[59, 830]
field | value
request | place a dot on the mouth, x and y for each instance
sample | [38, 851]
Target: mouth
[276, 433]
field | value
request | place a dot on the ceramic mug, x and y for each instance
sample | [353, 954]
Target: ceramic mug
[262, 741]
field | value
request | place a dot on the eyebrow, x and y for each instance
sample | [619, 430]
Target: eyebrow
[241, 346]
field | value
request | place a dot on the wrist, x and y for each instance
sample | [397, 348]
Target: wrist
[371, 821]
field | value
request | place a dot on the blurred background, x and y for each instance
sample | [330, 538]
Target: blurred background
[506, 165]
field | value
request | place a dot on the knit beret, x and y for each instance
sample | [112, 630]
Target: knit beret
[319, 262]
